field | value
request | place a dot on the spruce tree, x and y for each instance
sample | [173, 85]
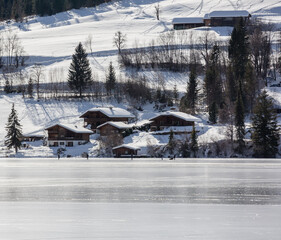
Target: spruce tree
[213, 81]
[30, 88]
[192, 92]
[213, 113]
[239, 123]
[238, 50]
[80, 74]
[250, 87]
[175, 94]
[193, 143]
[110, 79]
[171, 144]
[184, 149]
[8, 87]
[14, 132]
[265, 133]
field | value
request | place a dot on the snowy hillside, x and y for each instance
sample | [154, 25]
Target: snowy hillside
[51, 41]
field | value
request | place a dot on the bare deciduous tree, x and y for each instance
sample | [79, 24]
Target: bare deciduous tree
[11, 48]
[88, 43]
[37, 75]
[157, 11]
[119, 41]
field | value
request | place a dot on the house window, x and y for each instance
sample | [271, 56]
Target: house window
[56, 144]
[61, 143]
[126, 152]
[70, 144]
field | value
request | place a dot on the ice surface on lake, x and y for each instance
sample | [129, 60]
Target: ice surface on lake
[140, 199]
[138, 221]
[194, 181]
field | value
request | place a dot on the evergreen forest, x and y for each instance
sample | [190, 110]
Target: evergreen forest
[18, 9]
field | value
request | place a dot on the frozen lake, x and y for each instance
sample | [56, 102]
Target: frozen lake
[140, 199]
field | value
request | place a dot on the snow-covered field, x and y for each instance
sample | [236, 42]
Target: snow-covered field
[51, 41]
[214, 199]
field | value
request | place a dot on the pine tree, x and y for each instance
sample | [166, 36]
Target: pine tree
[213, 113]
[184, 149]
[192, 92]
[238, 50]
[80, 74]
[30, 88]
[239, 123]
[110, 79]
[231, 85]
[193, 143]
[265, 133]
[171, 144]
[14, 132]
[250, 86]
[213, 82]
[8, 87]
[175, 94]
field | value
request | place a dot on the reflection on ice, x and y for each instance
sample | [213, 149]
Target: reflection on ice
[208, 181]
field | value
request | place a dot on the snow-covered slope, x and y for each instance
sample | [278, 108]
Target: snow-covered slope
[51, 40]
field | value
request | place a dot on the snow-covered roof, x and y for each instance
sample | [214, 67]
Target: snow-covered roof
[119, 125]
[73, 128]
[178, 129]
[181, 115]
[206, 16]
[187, 20]
[37, 133]
[233, 13]
[126, 146]
[113, 112]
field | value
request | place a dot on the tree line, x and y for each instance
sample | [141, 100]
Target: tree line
[18, 9]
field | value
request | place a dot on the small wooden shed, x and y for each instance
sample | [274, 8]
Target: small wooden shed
[187, 23]
[125, 151]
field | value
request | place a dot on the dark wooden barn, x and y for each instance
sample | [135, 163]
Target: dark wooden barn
[98, 116]
[169, 119]
[125, 151]
[187, 23]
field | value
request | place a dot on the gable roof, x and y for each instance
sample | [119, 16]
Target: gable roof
[119, 125]
[126, 146]
[72, 128]
[181, 115]
[231, 13]
[187, 20]
[111, 112]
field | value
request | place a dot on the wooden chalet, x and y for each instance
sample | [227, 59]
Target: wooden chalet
[187, 23]
[64, 135]
[125, 151]
[109, 128]
[225, 18]
[98, 116]
[172, 119]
